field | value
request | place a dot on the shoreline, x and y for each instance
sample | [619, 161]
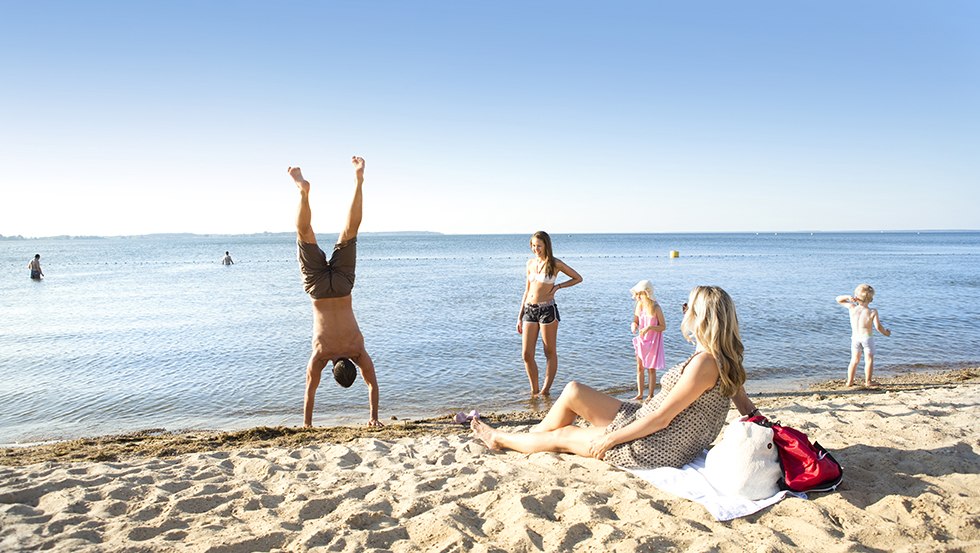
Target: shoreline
[910, 451]
[162, 443]
[511, 407]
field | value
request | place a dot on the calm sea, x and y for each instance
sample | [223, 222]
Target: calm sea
[134, 333]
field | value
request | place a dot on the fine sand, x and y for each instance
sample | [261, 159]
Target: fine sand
[909, 450]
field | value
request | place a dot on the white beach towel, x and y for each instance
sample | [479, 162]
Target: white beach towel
[691, 483]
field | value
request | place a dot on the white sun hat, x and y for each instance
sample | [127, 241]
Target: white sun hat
[643, 286]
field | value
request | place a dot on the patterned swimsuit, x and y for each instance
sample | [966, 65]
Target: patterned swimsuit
[691, 431]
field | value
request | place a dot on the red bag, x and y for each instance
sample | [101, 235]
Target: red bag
[807, 467]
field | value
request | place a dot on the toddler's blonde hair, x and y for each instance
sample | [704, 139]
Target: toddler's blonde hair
[864, 292]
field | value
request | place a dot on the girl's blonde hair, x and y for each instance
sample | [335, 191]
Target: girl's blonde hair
[645, 301]
[711, 319]
[643, 293]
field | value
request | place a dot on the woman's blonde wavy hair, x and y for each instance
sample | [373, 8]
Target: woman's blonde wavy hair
[711, 319]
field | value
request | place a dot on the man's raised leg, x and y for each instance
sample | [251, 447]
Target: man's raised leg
[304, 229]
[356, 205]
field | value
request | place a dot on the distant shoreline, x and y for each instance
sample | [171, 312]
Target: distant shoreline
[436, 233]
[205, 235]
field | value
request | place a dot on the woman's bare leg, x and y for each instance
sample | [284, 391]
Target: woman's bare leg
[568, 439]
[549, 338]
[579, 400]
[529, 340]
[653, 382]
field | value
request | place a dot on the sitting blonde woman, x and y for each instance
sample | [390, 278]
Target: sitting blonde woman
[672, 429]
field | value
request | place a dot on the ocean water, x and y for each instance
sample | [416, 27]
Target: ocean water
[152, 332]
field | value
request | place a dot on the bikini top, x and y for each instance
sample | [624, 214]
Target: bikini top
[541, 277]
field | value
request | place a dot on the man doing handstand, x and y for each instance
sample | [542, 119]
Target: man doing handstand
[336, 336]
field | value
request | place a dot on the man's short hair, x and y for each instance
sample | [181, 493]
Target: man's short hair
[344, 371]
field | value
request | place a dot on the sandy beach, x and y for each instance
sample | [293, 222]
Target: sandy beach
[909, 450]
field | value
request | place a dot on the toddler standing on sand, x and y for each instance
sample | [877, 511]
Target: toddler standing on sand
[863, 321]
[648, 344]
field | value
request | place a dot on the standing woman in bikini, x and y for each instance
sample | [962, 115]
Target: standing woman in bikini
[539, 311]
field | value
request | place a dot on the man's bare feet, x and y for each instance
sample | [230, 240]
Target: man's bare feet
[297, 176]
[870, 384]
[849, 383]
[358, 163]
[638, 397]
[484, 432]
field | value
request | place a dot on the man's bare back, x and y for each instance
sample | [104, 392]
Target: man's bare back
[335, 330]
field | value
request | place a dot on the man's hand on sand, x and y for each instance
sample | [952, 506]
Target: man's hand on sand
[358, 163]
[297, 176]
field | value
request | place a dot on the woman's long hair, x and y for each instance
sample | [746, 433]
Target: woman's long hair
[712, 320]
[550, 267]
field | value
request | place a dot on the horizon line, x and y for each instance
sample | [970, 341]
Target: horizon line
[437, 233]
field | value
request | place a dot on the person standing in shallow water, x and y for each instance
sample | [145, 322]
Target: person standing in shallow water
[336, 336]
[35, 266]
[539, 312]
[226, 260]
[864, 320]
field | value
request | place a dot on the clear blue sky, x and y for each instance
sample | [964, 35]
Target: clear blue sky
[495, 117]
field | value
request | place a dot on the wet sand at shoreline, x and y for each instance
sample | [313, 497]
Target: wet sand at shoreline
[909, 450]
[153, 443]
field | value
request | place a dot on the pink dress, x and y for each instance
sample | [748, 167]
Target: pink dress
[650, 346]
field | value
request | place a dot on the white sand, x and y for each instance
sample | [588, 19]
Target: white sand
[911, 484]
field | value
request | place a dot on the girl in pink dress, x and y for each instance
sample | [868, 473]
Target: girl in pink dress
[648, 325]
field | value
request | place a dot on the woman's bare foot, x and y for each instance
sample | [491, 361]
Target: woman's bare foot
[849, 383]
[297, 176]
[871, 384]
[546, 392]
[484, 432]
[638, 397]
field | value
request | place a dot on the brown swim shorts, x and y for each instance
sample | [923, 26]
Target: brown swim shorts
[323, 278]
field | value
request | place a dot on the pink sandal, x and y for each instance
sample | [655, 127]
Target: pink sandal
[463, 418]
